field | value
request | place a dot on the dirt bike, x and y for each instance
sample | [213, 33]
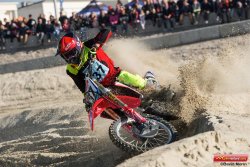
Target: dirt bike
[132, 130]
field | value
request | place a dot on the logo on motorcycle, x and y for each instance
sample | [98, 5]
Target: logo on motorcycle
[230, 158]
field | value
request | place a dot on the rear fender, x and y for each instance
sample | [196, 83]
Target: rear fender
[118, 84]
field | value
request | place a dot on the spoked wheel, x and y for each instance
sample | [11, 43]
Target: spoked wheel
[122, 135]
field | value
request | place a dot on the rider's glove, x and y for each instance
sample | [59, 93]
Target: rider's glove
[92, 52]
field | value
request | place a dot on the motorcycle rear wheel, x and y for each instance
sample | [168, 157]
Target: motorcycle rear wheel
[133, 144]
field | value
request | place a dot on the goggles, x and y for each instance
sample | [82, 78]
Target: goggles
[72, 57]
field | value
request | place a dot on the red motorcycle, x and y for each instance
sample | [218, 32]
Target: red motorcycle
[132, 130]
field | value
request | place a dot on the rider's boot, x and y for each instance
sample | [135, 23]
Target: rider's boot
[150, 80]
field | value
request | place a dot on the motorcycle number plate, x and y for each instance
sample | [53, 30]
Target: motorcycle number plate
[99, 70]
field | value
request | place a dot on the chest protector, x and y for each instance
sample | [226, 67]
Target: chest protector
[111, 72]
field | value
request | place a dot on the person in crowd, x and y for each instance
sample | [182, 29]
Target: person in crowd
[142, 19]
[84, 25]
[103, 20]
[52, 19]
[148, 9]
[40, 30]
[134, 19]
[62, 17]
[186, 10]
[23, 33]
[158, 12]
[205, 10]
[58, 29]
[158, 16]
[73, 20]
[246, 8]
[216, 8]
[119, 2]
[124, 20]
[66, 25]
[50, 29]
[225, 11]
[2, 36]
[118, 7]
[168, 15]
[93, 20]
[196, 11]
[42, 16]
[239, 8]
[12, 30]
[113, 20]
[31, 24]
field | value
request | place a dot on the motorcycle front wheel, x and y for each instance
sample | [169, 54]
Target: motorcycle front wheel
[123, 137]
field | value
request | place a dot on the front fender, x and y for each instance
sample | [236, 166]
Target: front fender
[102, 104]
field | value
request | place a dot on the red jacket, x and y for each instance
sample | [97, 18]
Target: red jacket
[113, 71]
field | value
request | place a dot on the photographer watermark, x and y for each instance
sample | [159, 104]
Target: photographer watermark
[231, 159]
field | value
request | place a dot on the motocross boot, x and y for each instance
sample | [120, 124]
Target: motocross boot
[150, 80]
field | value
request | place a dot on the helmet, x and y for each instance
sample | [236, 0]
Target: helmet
[69, 48]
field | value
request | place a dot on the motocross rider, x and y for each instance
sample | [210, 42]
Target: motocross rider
[77, 54]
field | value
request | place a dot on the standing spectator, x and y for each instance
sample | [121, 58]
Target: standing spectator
[186, 10]
[2, 36]
[23, 33]
[124, 19]
[31, 24]
[49, 30]
[113, 20]
[196, 10]
[103, 20]
[40, 30]
[168, 15]
[205, 10]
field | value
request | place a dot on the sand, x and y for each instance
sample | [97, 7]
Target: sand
[43, 122]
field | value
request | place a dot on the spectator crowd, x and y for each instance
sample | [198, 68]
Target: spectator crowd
[164, 13]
